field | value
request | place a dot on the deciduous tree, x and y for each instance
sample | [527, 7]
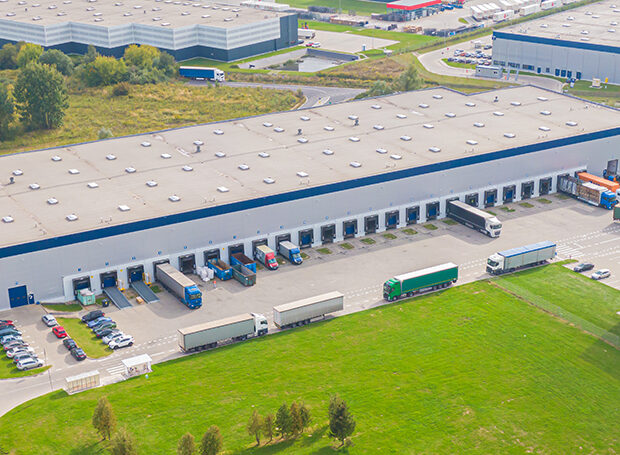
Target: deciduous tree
[123, 443]
[408, 80]
[268, 426]
[29, 52]
[57, 59]
[255, 426]
[211, 441]
[104, 420]
[187, 445]
[284, 423]
[7, 108]
[141, 56]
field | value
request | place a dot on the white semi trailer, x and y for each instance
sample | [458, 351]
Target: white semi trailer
[208, 335]
[516, 258]
[303, 311]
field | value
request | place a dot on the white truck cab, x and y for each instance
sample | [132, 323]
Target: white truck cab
[493, 226]
[261, 326]
[495, 263]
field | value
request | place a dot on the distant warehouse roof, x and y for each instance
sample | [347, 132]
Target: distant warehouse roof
[411, 5]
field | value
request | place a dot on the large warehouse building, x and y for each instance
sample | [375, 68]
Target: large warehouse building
[101, 214]
[184, 29]
[583, 43]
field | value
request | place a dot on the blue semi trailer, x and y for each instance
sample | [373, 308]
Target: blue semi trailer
[197, 72]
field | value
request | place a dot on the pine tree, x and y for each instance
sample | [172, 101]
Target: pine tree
[255, 426]
[123, 443]
[211, 441]
[341, 423]
[187, 445]
[284, 422]
[268, 426]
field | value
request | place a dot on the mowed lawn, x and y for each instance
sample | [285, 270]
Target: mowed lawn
[84, 337]
[472, 369]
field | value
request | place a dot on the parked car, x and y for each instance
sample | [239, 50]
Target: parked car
[59, 331]
[316, 44]
[13, 344]
[96, 322]
[583, 267]
[9, 331]
[600, 274]
[69, 343]
[49, 320]
[30, 363]
[487, 47]
[22, 356]
[6, 324]
[113, 336]
[309, 44]
[105, 332]
[6, 321]
[8, 338]
[92, 315]
[78, 353]
[19, 349]
[121, 342]
[103, 326]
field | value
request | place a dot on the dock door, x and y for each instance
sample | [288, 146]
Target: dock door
[187, 263]
[234, 249]
[413, 215]
[135, 276]
[490, 198]
[371, 223]
[472, 199]
[282, 238]
[328, 233]
[18, 296]
[509, 193]
[545, 186]
[391, 219]
[432, 210]
[135, 273]
[108, 284]
[80, 283]
[349, 229]
[156, 263]
[306, 238]
[108, 279]
[527, 190]
[212, 254]
[256, 243]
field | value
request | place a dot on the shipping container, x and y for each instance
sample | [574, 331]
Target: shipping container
[304, 311]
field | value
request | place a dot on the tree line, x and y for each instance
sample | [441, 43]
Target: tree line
[288, 422]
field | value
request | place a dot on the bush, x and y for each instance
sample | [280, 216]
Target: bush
[103, 71]
[56, 58]
[104, 133]
[28, 53]
[121, 89]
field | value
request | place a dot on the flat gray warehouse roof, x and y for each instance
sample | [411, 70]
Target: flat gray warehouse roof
[118, 181]
[597, 23]
[105, 13]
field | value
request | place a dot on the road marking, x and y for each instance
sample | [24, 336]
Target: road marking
[116, 370]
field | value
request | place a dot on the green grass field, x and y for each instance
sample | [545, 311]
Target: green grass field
[9, 370]
[84, 337]
[473, 369]
[66, 307]
[361, 7]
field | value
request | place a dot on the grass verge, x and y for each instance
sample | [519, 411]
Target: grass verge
[474, 359]
[84, 337]
[155, 288]
[561, 197]
[346, 246]
[67, 307]
[324, 250]
[527, 205]
[9, 370]
[304, 256]
[430, 226]
[507, 209]
[368, 241]
[491, 212]
[410, 231]
[449, 222]
[389, 236]
[469, 66]
[543, 200]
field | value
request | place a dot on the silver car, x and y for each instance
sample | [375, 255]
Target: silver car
[18, 350]
[49, 320]
[114, 335]
[29, 363]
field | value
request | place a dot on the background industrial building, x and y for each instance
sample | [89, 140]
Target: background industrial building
[101, 214]
[184, 29]
[583, 43]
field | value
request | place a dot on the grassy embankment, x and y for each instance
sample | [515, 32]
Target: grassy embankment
[84, 337]
[473, 369]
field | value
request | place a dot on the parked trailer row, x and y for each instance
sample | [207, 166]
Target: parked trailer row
[587, 191]
[517, 258]
[474, 218]
[249, 325]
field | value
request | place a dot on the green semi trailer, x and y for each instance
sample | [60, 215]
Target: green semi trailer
[430, 279]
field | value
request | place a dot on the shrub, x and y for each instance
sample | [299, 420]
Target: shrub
[121, 89]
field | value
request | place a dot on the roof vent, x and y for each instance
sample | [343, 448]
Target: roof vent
[277, 129]
[515, 103]
[18, 172]
[34, 186]
[423, 105]
[396, 157]
[470, 104]
[585, 39]
[92, 185]
[151, 183]
[71, 217]
[479, 125]
[498, 114]
[127, 14]
[10, 14]
[52, 201]
[328, 128]
[376, 106]
[220, 154]
[544, 128]
[611, 30]
[218, 132]
[110, 157]
[187, 168]
[428, 126]
[381, 151]
[223, 189]
[545, 112]
[267, 124]
[434, 149]
[73, 171]
[166, 156]
[302, 140]
[174, 198]
[401, 116]
[542, 98]
[450, 114]
[378, 127]
[585, 32]
[353, 117]
[437, 97]
[165, 24]
[185, 13]
[354, 139]
[244, 167]
[130, 170]
[328, 152]
[302, 174]
[471, 142]
[56, 158]
[124, 208]
[355, 164]
[544, 26]
[145, 144]
[509, 135]
[304, 118]
[571, 123]
[269, 180]
[405, 138]
[155, 19]
[7, 219]
[264, 155]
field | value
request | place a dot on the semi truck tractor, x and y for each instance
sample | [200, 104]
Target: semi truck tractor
[616, 213]
[290, 251]
[242, 259]
[474, 218]
[220, 269]
[266, 256]
[208, 335]
[304, 311]
[244, 275]
[516, 258]
[587, 191]
[197, 72]
[429, 279]
[179, 285]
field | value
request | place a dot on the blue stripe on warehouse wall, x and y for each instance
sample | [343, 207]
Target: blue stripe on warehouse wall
[176, 218]
[557, 42]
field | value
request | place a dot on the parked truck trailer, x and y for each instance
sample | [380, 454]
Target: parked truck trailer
[198, 72]
[179, 285]
[517, 258]
[611, 185]
[304, 311]
[290, 251]
[208, 335]
[474, 218]
[587, 191]
[616, 213]
[429, 279]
